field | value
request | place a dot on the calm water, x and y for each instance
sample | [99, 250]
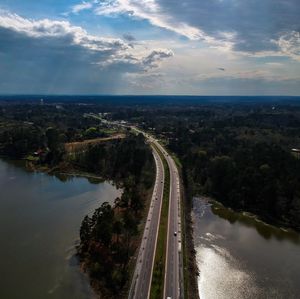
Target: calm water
[240, 257]
[40, 217]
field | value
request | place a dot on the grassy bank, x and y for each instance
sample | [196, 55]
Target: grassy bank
[190, 270]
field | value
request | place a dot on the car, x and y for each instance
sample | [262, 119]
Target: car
[175, 234]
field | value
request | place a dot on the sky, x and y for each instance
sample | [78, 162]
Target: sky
[187, 47]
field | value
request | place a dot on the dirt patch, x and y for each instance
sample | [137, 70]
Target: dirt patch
[82, 145]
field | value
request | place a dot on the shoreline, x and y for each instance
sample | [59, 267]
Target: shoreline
[279, 225]
[64, 170]
[265, 219]
[191, 271]
[98, 289]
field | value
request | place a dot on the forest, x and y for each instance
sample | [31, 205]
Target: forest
[108, 238]
[241, 154]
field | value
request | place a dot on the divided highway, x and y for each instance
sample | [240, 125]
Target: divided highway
[173, 280]
[141, 281]
[173, 286]
[142, 277]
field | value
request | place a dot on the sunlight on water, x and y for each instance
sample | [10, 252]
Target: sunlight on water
[241, 258]
[217, 275]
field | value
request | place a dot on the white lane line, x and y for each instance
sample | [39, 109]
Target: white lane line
[144, 240]
[159, 214]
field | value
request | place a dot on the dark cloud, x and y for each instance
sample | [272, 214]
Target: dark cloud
[155, 56]
[255, 23]
[129, 37]
[55, 57]
[50, 64]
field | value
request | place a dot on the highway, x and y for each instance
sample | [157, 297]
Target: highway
[142, 277]
[173, 280]
[173, 285]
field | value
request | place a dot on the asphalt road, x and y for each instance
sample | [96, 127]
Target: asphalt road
[173, 286]
[173, 281]
[141, 281]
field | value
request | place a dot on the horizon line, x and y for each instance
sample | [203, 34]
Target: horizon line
[137, 95]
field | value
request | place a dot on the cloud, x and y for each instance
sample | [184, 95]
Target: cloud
[255, 24]
[263, 75]
[81, 6]
[146, 81]
[131, 64]
[148, 10]
[59, 29]
[289, 44]
[245, 26]
[155, 56]
[55, 56]
[129, 37]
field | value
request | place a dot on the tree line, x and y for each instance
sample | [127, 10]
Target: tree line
[108, 238]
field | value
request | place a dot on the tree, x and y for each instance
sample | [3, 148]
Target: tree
[103, 219]
[85, 231]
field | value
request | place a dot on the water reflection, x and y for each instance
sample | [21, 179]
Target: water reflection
[40, 217]
[265, 230]
[240, 257]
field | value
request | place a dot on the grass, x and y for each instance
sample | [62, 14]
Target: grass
[177, 161]
[110, 131]
[157, 284]
[32, 158]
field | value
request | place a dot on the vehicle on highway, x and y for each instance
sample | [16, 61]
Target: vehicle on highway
[175, 234]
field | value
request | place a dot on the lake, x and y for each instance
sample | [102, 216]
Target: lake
[241, 257]
[40, 218]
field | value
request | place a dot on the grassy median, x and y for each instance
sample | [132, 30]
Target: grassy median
[157, 284]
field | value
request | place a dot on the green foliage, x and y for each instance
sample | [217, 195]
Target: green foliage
[19, 141]
[102, 223]
[127, 159]
[92, 132]
[239, 155]
[107, 239]
[106, 244]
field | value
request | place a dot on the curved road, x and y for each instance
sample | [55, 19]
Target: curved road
[142, 277]
[141, 281]
[173, 280]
